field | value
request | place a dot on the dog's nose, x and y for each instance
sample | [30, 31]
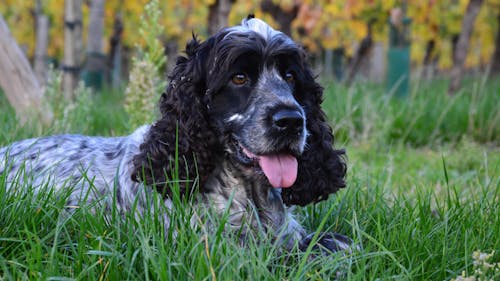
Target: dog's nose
[288, 120]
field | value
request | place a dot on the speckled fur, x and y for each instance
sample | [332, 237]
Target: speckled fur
[205, 121]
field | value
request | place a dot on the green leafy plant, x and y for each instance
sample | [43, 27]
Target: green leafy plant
[146, 79]
[68, 114]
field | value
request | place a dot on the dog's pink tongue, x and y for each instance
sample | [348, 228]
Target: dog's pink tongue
[280, 169]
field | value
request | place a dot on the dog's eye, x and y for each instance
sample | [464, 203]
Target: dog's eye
[239, 79]
[289, 77]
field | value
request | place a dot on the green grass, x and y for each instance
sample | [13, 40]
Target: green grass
[365, 113]
[104, 115]
[423, 194]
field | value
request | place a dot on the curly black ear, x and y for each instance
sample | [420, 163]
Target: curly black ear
[322, 168]
[182, 133]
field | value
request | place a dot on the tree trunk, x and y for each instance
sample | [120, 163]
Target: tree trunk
[72, 46]
[429, 49]
[171, 52]
[463, 45]
[495, 68]
[18, 80]
[429, 63]
[454, 43]
[218, 14]
[361, 54]
[115, 52]
[41, 44]
[284, 18]
[95, 65]
[377, 63]
[96, 26]
[328, 64]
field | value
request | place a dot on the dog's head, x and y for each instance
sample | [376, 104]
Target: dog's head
[247, 93]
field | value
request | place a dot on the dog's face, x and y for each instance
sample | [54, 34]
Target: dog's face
[256, 102]
[248, 92]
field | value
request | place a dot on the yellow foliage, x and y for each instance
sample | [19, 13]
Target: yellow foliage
[287, 5]
[445, 62]
[332, 9]
[417, 53]
[388, 4]
[328, 24]
[20, 21]
[240, 10]
[358, 28]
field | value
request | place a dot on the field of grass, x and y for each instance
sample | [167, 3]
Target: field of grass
[423, 196]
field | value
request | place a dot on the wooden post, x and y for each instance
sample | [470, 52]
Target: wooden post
[495, 68]
[72, 46]
[328, 63]
[463, 45]
[218, 14]
[377, 63]
[41, 44]
[95, 64]
[115, 52]
[361, 55]
[96, 26]
[18, 80]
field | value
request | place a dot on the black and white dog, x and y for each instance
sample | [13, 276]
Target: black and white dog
[240, 122]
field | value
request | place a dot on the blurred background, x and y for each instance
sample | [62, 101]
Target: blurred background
[442, 57]
[346, 39]
[411, 91]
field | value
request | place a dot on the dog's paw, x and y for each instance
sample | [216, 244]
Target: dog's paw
[327, 243]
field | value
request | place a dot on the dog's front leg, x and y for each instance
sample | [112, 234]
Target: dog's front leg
[327, 243]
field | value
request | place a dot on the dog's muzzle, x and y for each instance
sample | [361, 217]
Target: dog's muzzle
[288, 121]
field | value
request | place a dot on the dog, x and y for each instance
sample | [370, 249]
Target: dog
[241, 126]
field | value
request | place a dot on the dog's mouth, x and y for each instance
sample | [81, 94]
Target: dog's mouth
[280, 168]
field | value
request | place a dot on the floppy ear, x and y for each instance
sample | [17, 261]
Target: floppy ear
[182, 133]
[321, 168]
